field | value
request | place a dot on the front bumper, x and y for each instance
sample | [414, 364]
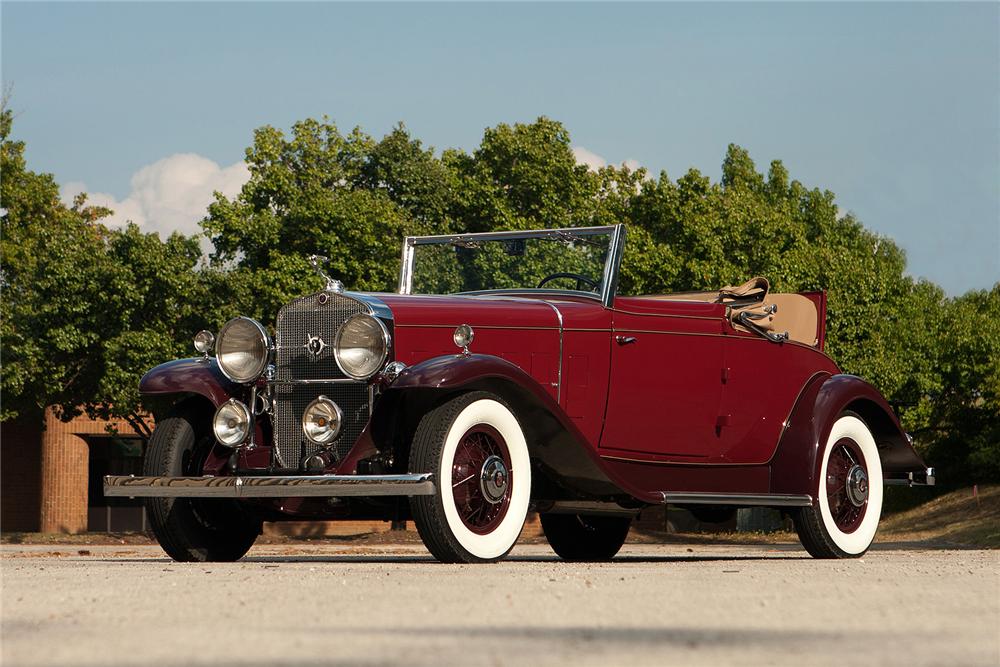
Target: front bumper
[272, 486]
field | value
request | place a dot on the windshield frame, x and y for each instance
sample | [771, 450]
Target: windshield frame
[609, 279]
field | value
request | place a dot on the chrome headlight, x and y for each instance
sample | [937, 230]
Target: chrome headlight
[361, 346]
[242, 349]
[321, 421]
[231, 423]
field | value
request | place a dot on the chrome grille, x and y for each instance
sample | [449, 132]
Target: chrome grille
[315, 315]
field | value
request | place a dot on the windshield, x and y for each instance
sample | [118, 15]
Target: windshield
[560, 259]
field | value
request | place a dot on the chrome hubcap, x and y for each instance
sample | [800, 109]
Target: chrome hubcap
[857, 486]
[493, 479]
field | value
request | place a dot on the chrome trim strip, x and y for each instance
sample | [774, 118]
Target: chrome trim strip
[746, 499]
[559, 373]
[528, 293]
[478, 326]
[519, 234]
[612, 266]
[406, 269]
[346, 380]
[271, 486]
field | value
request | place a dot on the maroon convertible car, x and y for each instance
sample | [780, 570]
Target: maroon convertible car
[507, 375]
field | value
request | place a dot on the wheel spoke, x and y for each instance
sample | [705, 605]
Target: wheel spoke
[463, 481]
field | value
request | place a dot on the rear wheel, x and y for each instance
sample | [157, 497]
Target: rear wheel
[843, 520]
[193, 529]
[576, 537]
[476, 449]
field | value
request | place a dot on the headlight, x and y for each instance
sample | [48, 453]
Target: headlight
[231, 423]
[242, 349]
[321, 421]
[361, 346]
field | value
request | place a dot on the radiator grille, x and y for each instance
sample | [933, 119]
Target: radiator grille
[315, 315]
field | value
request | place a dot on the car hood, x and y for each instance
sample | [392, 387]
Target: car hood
[476, 310]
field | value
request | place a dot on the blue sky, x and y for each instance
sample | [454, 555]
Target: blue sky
[895, 107]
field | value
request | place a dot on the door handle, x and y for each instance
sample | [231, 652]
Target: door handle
[625, 340]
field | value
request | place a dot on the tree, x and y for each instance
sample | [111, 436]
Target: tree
[965, 414]
[345, 197]
[86, 310]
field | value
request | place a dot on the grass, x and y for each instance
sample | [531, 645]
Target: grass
[963, 518]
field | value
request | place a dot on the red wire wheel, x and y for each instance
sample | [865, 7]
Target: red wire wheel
[847, 485]
[481, 479]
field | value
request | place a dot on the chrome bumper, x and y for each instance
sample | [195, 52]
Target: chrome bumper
[925, 478]
[285, 486]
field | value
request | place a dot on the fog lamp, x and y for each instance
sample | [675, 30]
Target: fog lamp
[231, 423]
[321, 421]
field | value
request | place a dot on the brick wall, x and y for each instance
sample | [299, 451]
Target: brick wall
[65, 462]
[43, 472]
[20, 474]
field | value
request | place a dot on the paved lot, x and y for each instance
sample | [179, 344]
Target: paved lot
[655, 605]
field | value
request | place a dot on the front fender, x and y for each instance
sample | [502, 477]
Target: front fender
[796, 464]
[556, 444]
[190, 376]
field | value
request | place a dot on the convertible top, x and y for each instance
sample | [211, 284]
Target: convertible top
[789, 313]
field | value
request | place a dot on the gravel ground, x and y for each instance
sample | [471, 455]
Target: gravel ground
[392, 605]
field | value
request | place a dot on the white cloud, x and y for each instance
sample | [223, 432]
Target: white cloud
[595, 161]
[169, 195]
[589, 158]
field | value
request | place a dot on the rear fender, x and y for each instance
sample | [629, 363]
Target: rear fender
[796, 464]
[557, 447]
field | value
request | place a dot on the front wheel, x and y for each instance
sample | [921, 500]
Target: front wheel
[193, 529]
[476, 449]
[843, 520]
[576, 537]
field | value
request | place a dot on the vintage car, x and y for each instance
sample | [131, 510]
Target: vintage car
[508, 375]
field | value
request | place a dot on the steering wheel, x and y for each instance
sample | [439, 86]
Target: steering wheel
[580, 280]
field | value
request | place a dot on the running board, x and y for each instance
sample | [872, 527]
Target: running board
[283, 486]
[739, 499]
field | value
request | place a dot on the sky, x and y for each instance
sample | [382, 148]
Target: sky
[895, 107]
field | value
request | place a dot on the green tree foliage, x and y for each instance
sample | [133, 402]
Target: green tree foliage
[86, 309]
[346, 197]
[964, 421]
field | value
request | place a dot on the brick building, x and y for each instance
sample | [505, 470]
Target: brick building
[50, 475]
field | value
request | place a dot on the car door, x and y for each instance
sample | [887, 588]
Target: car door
[665, 383]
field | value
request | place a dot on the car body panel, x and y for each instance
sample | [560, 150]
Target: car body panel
[200, 376]
[665, 385]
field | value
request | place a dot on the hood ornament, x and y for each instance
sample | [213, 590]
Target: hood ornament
[332, 284]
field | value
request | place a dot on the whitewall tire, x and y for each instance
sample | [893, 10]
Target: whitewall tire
[845, 515]
[476, 449]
